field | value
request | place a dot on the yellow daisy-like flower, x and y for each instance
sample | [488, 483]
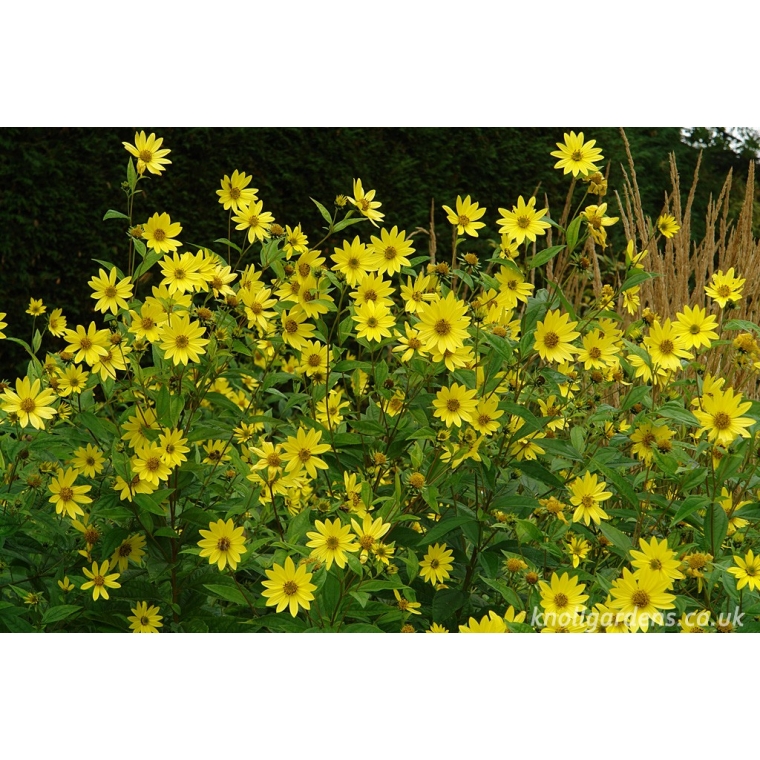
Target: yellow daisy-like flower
[485, 418]
[110, 295]
[36, 307]
[648, 437]
[512, 287]
[366, 204]
[436, 565]
[562, 596]
[160, 232]
[354, 260]
[330, 409]
[330, 542]
[597, 220]
[588, 493]
[667, 225]
[100, 582]
[599, 350]
[640, 599]
[289, 587]
[578, 548]
[443, 324]
[391, 250]
[87, 345]
[251, 217]
[71, 379]
[66, 496]
[466, 216]
[523, 221]
[3, 324]
[721, 417]
[223, 544]
[56, 323]
[666, 346]
[29, 403]
[295, 241]
[657, 560]
[725, 287]
[145, 619]
[405, 605]
[149, 153]
[150, 465]
[369, 533]
[301, 452]
[66, 585]
[455, 405]
[490, 623]
[697, 327]
[374, 321]
[258, 307]
[235, 191]
[576, 156]
[295, 329]
[747, 571]
[181, 339]
[129, 550]
[181, 273]
[372, 287]
[554, 336]
[88, 460]
[415, 293]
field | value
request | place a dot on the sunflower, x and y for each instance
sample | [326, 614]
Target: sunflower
[436, 565]
[443, 324]
[576, 156]
[562, 595]
[331, 541]
[222, 543]
[466, 216]
[110, 295]
[149, 153]
[374, 321]
[656, 560]
[288, 587]
[257, 307]
[588, 493]
[578, 548]
[87, 345]
[640, 599]
[523, 221]
[366, 204]
[725, 287]
[235, 191]
[129, 550]
[372, 287]
[149, 463]
[490, 623]
[314, 358]
[747, 572]
[3, 315]
[554, 336]
[30, 404]
[145, 619]
[88, 460]
[666, 346]
[512, 287]
[161, 233]
[354, 260]
[697, 327]
[721, 417]
[455, 404]
[66, 496]
[667, 225]
[300, 452]
[181, 339]
[391, 250]
[100, 582]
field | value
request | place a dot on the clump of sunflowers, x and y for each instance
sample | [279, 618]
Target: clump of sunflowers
[259, 433]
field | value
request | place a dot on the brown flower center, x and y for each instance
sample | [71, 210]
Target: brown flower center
[640, 598]
[722, 421]
[560, 600]
[223, 544]
[290, 588]
[551, 340]
[66, 494]
[159, 235]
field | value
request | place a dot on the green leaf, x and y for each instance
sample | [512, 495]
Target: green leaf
[341, 225]
[298, 526]
[147, 263]
[624, 488]
[446, 602]
[228, 593]
[526, 531]
[546, 255]
[615, 537]
[361, 628]
[716, 528]
[540, 473]
[360, 597]
[153, 502]
[673, 410]
[690, 504]
[322, 210]
[329, 595]
[61, 612]
[741, 324]
[573, 230]
[634, 396]
[636, 278]
[443, 527]
[232, 245]
[112, 214]
[382, 585]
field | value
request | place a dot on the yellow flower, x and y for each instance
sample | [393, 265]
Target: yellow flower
[490, 623]
[667, 225]
[29, 403]
[100, 582]
[436, 565]
[149, 464]
[66, 585]
[288, 586]
[181, 273]
[354, 260]
[295, 241]
[374, 321]
[657, 560]
[223, 544]
[88, 460]
[466, 216]
[129, 549]
[149, 153]
[578, 548]
[160, 232]
[523, 221]
[331, 541]
[640, 599]
[597, 220]
[181, 339]
[666, 346]
[56, 323]
[295, 329]
[365, 203]
[87, 345]
[554, 336]
[391, 250]
[747, 572]
[720, 417]
[443, 324]
[235, 191]
[301, 450]
[369, 533]
[576, 156]
[36, 307]
[725, 287]
[110, 295]
[145, 619]
[588, 493]
[455, 405]
[66, 496]
[562, 596]
[414, 293]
